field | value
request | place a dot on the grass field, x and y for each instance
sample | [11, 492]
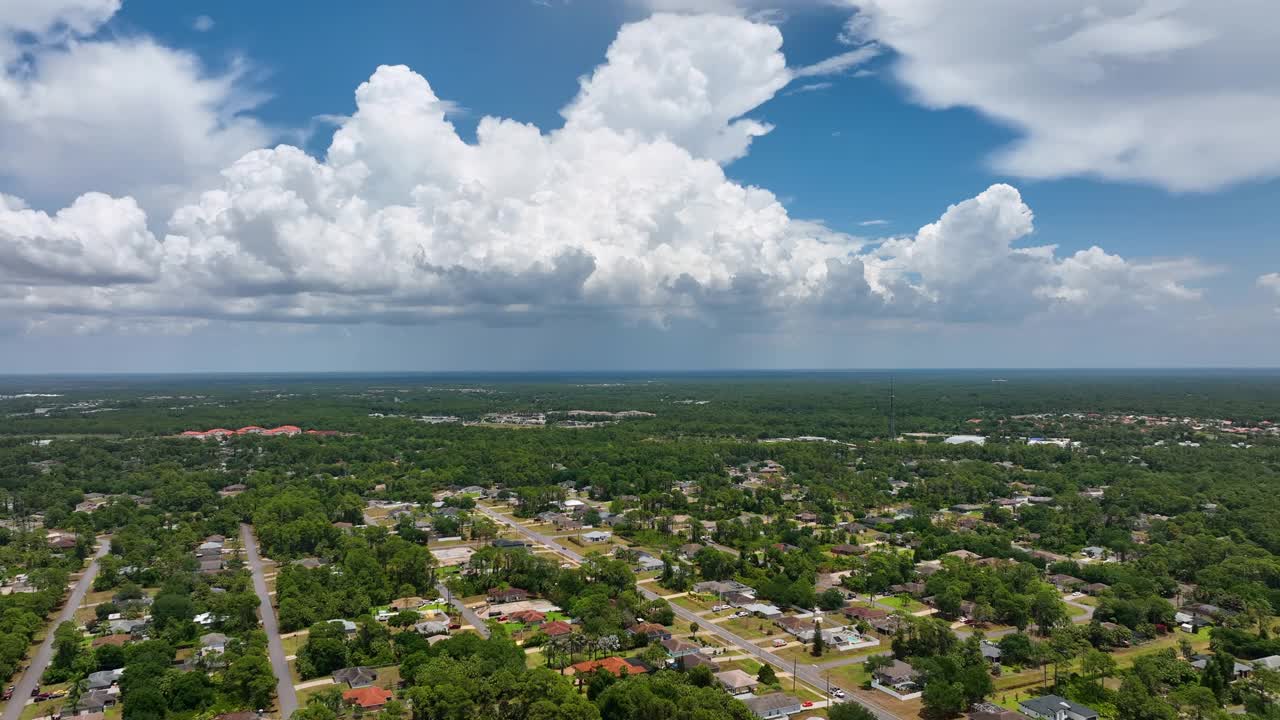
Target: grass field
[751, 628]
[902, 603]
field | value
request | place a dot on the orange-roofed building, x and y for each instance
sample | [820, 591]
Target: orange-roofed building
[283, 430]
[615, 665]
[249, 429]
[371, 697]
[556, 628]
[528, 617]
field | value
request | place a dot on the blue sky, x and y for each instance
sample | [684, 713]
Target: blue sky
[1181, 213]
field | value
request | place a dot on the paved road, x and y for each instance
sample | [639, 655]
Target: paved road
[809, 674]
[30, 678]
[467, 613]
[286, 698]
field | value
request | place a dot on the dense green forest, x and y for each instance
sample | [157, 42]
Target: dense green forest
[1173, 477]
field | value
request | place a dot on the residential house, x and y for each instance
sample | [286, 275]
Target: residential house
[597, 536]
[355, 677]
[556, 628]
[990, 652]
[119, 640]
[103, 679]
[348, 627]
[212, 644]
[368, 698]
[1048, 557]
[847, 550]
[991, 711]
[1053, 707]
[506, 595]
[91, 702]
[720, 587]
[899, 680]
[915, 589]
[648, 563]
[614, 665]
[407, 603]
[764, 610]
[1066, 583]
[689, 550]
[774, 705]
[689, 662]
[737, 682]
[528, 617]
[430, 628]
[678, 648]
[861, 612]
[964, 555]
[796, 626]
[1270, 662]
[1238, 670]
[653, 631]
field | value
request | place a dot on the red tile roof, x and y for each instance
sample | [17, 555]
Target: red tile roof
[615, 665]
[368, 697]
[556, 627]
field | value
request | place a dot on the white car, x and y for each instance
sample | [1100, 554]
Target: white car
[718, 608]
[440, 601]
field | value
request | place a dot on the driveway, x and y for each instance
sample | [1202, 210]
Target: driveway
[30, 678]
[286, 698]
[809, 674]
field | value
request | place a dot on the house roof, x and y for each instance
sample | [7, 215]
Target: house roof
[736, 678]
[556, 627]
[764, 704]
[358, 676]
[613, 664]
[118, 639]
[368, 697]
[676, 645]
[866, 613]
[646, 628]
[1051, 704]
[989, 711]
[898, 672]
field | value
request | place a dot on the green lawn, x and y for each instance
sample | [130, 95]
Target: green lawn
[694, 602]
[899, 602]
[752, 628]
[293, 644]
[848, 676]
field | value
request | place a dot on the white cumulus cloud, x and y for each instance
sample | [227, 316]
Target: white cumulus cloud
[118, 114]
[625, 212]
[1179, 94]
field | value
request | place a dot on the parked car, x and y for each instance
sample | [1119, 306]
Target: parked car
[807, 703]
